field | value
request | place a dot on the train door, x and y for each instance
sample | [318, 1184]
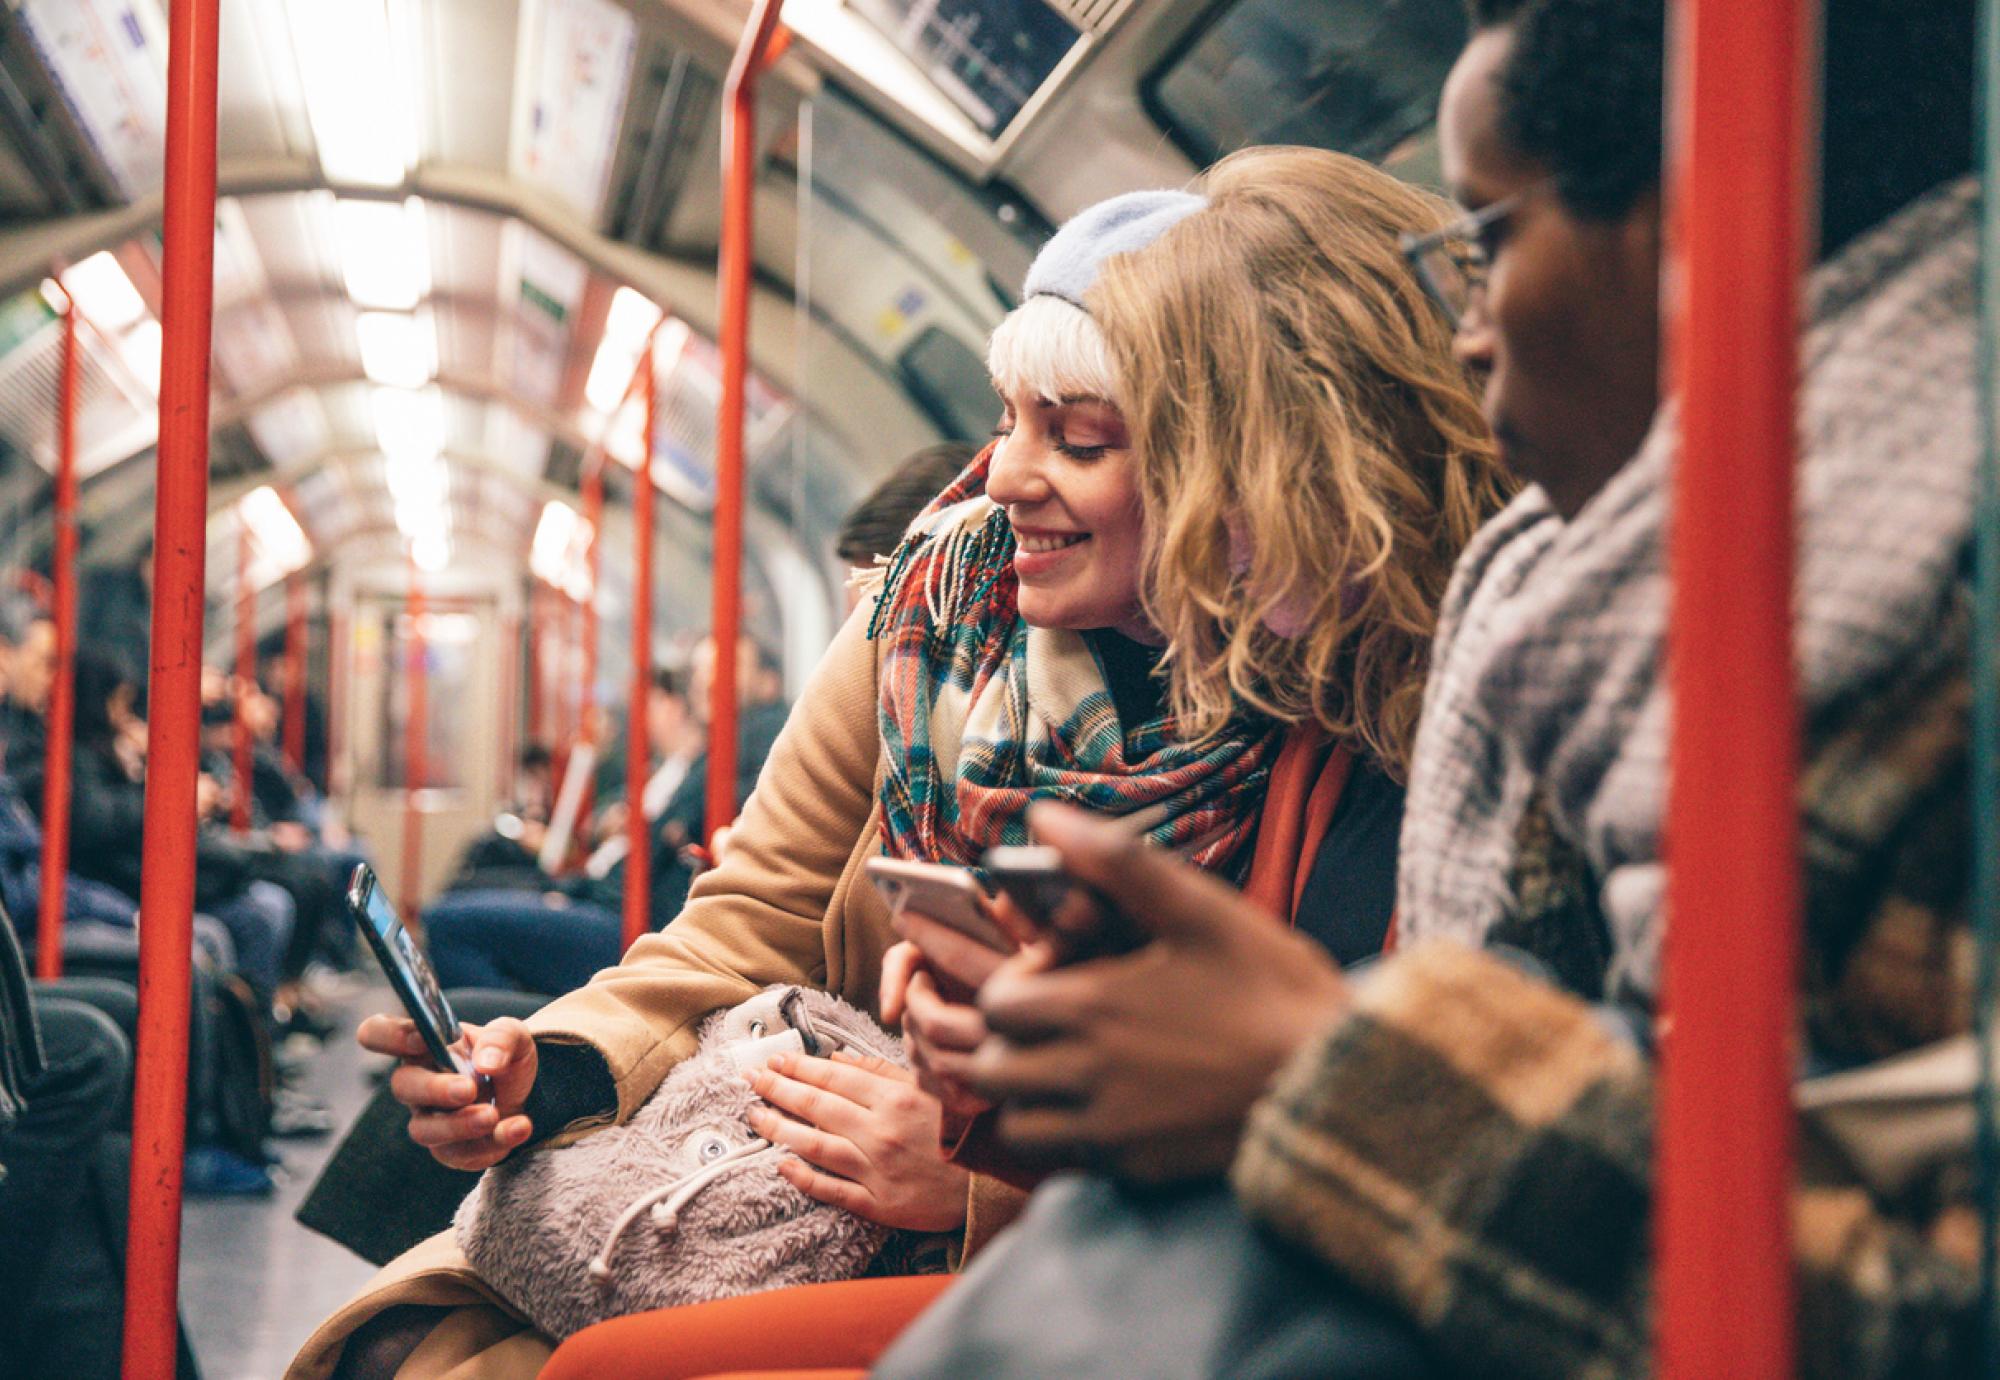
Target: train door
[458, 781]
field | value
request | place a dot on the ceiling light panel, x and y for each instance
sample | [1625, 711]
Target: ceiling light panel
[104, 292]
[384, 250]
[279, 544]
[577, 68]
[409, 424]
[352, 57]
[398, 349]
[108, 58]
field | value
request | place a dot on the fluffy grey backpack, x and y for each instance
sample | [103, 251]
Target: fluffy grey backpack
[683, 1203]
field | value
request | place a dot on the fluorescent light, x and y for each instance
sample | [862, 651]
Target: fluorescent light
[279, 539]
[631, 318]
[559, 554]
[398, 349]
[431, 551]
[625, 435]
[385, 252]
[553, 534]
[104, 292]
[141, 348]
[409, 424]
[362, 117]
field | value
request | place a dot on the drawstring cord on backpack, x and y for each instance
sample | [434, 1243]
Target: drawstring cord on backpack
[667, 1200]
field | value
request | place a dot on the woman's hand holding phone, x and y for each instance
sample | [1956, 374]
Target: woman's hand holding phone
[447, 1116]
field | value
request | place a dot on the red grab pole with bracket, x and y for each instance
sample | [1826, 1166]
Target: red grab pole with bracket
[538, 732]
[1741, 99]
[295, 674]
[593, 513]
[638, 912]
[415, 731]
[739, 176]
[180, 535]
[62, 693]
[246, 676]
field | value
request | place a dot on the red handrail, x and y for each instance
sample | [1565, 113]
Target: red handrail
[415, 730]
[593, 513]
[180, 536]
[510, 700]
[638, 910]
[1741, 95]
[336, 698]
[62, 692]
[246, 677]
[754, 52]
[538, 670]
[295, 673]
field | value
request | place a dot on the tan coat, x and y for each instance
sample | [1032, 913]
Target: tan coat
[787, 904]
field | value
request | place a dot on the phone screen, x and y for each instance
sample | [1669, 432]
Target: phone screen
[411, 971]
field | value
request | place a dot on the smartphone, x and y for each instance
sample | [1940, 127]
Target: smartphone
[410, 974]
[1033, 877]
[938, 891]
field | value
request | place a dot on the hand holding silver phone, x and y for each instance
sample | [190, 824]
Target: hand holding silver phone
[949, 895]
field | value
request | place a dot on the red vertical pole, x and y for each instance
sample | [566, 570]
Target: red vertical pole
[638, 829]
[336, 697]
[739, 176]
[538, 671]
[510, 700]
[180, 516]
[1741, 99]
[295, 673]
[246, 678]
[593, 512]
[415, 730]
[62, 694]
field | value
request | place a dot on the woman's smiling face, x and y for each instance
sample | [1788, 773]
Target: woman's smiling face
[1063, 470]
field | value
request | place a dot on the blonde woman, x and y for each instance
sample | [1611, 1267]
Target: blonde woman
[1069, 621]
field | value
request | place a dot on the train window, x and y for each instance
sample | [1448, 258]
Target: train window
[950, 382]
[1360, 76]
[988, 57]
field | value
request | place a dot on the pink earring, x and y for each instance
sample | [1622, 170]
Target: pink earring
[1291, 617]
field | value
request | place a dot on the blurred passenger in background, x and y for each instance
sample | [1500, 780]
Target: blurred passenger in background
[552, 938]
[874, 529]
[27, 673]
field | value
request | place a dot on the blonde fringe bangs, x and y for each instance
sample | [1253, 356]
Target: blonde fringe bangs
[1051, 348]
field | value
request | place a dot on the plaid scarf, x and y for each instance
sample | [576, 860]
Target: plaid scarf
[982, 714]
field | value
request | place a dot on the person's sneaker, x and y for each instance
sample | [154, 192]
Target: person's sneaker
[210, 1171]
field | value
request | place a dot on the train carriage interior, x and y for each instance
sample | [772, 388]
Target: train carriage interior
[546, 347]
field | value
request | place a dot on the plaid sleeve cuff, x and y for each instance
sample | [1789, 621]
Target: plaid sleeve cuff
[1471, 1145]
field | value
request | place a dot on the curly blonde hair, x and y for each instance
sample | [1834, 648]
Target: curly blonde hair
[1308, 449]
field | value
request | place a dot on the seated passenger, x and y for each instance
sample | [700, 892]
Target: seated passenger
[1467, 1142]
[1011, 654]
[552, 939]
[107, 825]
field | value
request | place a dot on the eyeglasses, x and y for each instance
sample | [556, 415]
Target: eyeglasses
[1452, 263]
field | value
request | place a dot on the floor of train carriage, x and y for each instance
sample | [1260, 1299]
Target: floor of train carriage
[254, 1283]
